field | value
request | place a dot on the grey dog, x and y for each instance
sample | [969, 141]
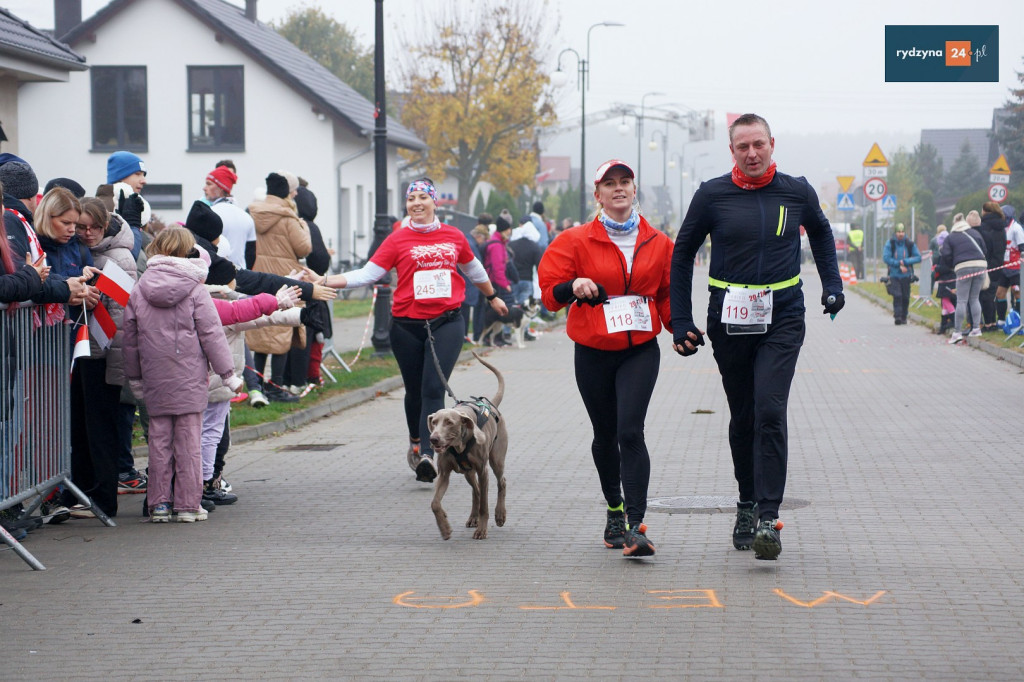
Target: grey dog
[466, 438]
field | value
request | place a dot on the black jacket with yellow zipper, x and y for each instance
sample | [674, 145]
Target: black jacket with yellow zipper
[755, 240]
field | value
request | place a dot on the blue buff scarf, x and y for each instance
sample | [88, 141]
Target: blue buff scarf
[628, 226]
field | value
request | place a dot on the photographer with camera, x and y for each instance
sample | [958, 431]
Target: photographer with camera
[900, 255]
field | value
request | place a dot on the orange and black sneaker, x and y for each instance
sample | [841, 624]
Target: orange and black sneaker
[636, 543]
[767, 543]
[615, 529]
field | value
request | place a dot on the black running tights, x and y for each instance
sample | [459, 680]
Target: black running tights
[616, 388]
[424, 390]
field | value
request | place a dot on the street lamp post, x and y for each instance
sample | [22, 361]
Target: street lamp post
[583, 83]
[640, 137]
[381, 227]
[653, 146]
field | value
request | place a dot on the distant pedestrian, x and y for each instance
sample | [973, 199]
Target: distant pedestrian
[963, 253]
[901, 255]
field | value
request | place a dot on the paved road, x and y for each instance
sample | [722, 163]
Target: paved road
[901, 551]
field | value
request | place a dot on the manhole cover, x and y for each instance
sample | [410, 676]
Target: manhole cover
[310, 447]
[706, 504]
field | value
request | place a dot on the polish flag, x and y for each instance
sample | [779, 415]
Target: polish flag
[102, 326]
[115, 283]
[81, 344]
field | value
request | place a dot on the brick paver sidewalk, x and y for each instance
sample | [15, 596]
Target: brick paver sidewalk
[901, 558]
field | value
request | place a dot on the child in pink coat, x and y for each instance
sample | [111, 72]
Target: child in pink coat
[172, 335]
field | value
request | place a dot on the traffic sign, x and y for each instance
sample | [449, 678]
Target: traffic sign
[845, 181]
[845, 201]
[889, 202]
[997, 193]
[1000, 166]
[875, 157]
[875, 189]
[999, 173]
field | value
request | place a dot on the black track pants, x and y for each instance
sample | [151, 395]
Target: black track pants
[616, 388]
[757, 372]
[424, 390]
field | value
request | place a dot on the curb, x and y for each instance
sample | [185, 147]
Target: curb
[1004, 354]
[294, 420]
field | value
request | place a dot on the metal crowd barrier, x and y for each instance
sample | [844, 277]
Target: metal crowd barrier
[35, 424]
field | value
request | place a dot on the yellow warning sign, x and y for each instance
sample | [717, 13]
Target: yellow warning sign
[875, 157]
[1000, 166]
[845, 182]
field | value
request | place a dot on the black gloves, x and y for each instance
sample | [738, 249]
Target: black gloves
[563, 294]
[682, 335]
[833, 302]
[602, 296]
[130, 208]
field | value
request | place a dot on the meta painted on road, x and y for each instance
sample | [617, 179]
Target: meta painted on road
[659, 599]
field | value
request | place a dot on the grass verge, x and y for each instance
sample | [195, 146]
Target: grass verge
[933, 315]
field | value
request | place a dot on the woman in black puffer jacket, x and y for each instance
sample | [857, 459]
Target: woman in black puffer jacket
[993, 231]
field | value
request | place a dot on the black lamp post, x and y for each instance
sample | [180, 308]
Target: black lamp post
[381, 225]
[583, 82]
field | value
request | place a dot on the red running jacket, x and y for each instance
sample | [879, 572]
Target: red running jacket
[586, 251]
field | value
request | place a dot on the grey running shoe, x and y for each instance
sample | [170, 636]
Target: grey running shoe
[413, 455]
[746, 525]
[426, 470]
[767, 543]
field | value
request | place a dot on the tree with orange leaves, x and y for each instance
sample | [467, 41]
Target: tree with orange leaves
[476, 93]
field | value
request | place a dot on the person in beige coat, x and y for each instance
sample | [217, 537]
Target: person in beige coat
[282, 238]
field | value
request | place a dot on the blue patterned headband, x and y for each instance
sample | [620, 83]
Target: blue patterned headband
[422, 186]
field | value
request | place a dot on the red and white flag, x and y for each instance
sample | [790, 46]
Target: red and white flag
[101, 326]
[115, 283]
[81, 343]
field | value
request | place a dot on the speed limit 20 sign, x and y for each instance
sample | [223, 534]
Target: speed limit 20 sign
[875, 189]
[997, 193]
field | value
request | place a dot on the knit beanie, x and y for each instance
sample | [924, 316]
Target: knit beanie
[223, 177]
[538, 207]
[19, 180]
[293, 181]
[66, 183]
[277, 186]
[501, 224]
[122, 164]
[203, 222]
[973, 219]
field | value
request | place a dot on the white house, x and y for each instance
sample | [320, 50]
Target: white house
[186, 83]
[27, 55]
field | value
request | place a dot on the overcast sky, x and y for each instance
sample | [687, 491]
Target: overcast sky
[806, 65]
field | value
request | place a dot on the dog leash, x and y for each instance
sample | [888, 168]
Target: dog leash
[437, 363]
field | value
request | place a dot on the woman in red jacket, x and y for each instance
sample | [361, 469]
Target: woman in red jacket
[616, 269]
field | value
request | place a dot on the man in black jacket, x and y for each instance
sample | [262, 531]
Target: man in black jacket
[756, 311]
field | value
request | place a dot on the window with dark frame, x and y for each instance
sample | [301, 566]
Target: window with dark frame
[216, 96]
[119, 109]
[162, 196]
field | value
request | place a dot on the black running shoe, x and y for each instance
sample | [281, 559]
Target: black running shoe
[615, 530]
[636, 543]
[767, 543]
[746, 525]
